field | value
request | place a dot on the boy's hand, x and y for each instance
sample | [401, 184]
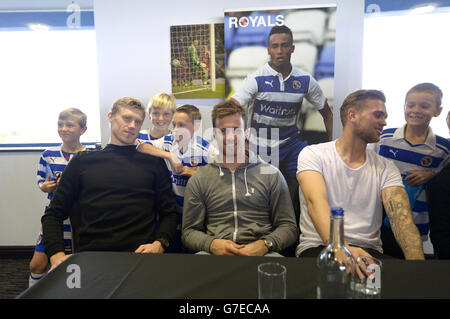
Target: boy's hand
[188, 171]
[48, 185]
[57, 259]
[419, 177]
[177, 165]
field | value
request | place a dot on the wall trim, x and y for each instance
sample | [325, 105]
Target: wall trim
[16, 252]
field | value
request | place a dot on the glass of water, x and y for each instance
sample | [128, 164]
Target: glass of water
[367, 280]
[271, 281]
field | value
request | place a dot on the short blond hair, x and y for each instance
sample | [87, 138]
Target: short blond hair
[75, 113]
[130, 102]
[164, 101]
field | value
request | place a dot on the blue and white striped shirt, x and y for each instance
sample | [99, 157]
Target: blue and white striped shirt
[198, 153]
[273, 103]
[433, 155]
[54, 160]
[144, 135]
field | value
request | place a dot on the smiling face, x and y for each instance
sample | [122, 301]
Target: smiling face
[280, 50]
[125, 125]
[368, 121]
[420, 108]
[69, 130]
[161, 118]
[230, 136]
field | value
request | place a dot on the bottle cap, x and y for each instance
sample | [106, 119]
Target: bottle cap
[337, 211]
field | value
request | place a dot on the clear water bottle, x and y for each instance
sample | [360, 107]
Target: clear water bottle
[335, 262]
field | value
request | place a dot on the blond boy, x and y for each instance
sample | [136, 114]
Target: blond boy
[53, 161]
[160, 110]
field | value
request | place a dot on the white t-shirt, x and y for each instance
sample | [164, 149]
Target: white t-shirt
[357, 191]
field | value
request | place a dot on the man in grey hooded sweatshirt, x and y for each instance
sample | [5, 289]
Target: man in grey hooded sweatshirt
[237, 205]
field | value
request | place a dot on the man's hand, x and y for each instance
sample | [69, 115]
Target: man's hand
[57, 259]
[327, 115]
[257, 248]
[357, 252]
[153, 248]
[48, 186]
[418, 177]
[225, 247]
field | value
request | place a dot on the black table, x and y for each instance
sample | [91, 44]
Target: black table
[185, 276]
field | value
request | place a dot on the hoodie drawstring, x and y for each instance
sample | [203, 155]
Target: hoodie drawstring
[246, 186]
[247, 194]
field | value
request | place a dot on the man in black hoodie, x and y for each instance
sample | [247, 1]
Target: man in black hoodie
[120, 193]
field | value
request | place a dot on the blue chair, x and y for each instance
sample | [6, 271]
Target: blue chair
[325, 67]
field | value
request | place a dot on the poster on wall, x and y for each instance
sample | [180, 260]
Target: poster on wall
[197, 61]
[313, 32]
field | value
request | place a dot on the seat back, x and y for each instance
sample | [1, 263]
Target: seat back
[307, 25]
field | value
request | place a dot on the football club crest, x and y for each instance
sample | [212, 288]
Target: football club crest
[194, 162]
[243, 22]
[39, 239]
[296, 85]
[426, 161]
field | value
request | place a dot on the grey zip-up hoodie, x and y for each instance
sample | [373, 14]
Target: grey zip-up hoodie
[246, 205]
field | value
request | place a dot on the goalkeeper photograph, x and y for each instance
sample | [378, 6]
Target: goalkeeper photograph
[194, 61]
[197, 61]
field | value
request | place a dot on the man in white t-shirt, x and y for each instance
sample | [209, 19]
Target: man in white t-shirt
[343, 173]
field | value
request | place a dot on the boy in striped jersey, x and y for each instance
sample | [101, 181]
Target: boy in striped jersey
[183, 151]
[418, 153]
[160, 110]
[53, 161]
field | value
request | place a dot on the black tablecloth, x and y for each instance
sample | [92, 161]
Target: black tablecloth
[129, 275]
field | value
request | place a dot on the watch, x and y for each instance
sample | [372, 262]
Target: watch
[268, 244]
[164, 243]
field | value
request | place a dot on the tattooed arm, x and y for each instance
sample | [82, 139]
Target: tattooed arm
[396, 204]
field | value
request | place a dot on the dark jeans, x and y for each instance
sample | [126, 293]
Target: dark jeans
[315, 251]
